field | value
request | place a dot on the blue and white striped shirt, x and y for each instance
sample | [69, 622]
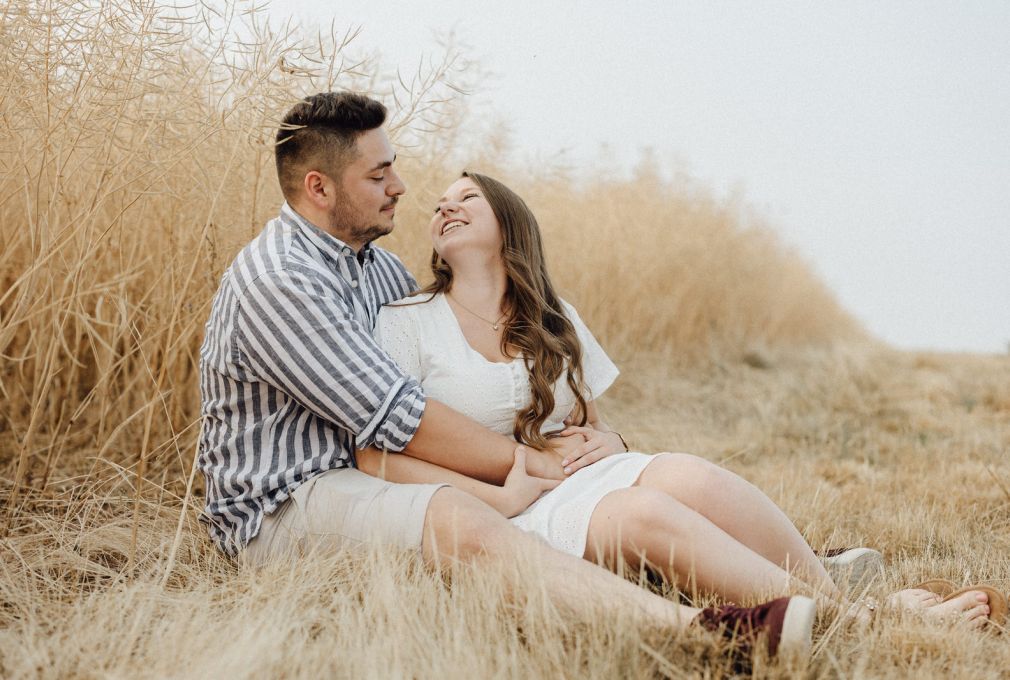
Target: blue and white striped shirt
[291, 380]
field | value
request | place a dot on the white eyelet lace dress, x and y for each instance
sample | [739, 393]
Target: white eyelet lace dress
[425, 339]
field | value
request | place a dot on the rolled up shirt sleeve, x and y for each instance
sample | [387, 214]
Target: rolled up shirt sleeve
[301, 336]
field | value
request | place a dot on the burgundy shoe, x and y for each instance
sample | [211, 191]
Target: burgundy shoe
[786, 624]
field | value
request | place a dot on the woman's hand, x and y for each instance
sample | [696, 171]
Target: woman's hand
[520, 489]
[560, 446]
[598, 445]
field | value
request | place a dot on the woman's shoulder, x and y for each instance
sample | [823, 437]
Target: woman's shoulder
[414, 309]
[581, 329]
[567, 306]
[410, 304]
[570, 311]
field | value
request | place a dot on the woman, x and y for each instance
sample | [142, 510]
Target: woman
[492, 339]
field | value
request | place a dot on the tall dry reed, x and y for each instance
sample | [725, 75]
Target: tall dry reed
[136, 160]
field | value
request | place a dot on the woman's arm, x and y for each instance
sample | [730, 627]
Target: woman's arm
[601, 441]
[518, 493]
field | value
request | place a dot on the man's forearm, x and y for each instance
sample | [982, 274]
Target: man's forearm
[409, 470]
[451, 440]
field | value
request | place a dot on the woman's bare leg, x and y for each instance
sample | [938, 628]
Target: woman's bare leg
[645, 523]
[740, 509]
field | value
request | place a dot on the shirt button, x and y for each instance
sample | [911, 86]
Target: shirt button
[354, 283]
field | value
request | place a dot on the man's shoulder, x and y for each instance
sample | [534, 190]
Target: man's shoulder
[272, 254]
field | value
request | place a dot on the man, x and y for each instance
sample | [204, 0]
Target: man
[292, 381]
[293, 384]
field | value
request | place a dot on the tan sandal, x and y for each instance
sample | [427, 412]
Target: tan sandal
[997, 602]
[937, 586]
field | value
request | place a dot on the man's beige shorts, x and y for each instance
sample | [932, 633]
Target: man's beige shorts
[340, 509]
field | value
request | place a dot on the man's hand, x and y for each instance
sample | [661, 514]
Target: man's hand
[521, 489]
[597, 445]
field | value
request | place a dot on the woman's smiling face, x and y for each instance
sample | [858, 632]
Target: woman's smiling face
[464, 223]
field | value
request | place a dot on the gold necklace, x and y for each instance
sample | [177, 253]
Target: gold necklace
[494, 324]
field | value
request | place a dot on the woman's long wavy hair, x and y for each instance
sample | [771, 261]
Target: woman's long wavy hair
[536, 325]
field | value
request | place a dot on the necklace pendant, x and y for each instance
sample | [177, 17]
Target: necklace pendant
[494, 326]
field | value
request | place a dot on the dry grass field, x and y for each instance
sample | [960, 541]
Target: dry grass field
[135, 161]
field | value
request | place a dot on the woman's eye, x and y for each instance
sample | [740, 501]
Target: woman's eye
[470, 196]
[377, 179]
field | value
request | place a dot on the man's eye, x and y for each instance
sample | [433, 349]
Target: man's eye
[376, 179]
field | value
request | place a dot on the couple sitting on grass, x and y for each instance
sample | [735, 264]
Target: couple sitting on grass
[321, 354]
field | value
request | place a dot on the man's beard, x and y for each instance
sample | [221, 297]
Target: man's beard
[367, 234]
[350, 223]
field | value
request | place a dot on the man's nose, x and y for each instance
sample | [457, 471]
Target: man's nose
[396, 187]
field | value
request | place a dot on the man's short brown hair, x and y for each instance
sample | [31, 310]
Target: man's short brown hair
[319, 133]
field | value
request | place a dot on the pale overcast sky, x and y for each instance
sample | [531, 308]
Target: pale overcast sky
[874, 136]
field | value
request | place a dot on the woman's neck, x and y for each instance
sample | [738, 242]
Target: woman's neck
[480, 287]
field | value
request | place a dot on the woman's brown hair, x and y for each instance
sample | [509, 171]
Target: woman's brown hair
[536, 324]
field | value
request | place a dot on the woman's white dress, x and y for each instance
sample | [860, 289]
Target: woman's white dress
[425, 339]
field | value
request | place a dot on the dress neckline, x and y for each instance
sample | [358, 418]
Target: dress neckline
[462, 336]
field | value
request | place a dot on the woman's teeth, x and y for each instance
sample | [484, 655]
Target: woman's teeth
[451, 225]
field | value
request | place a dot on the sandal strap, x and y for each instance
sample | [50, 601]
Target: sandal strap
[939, 586]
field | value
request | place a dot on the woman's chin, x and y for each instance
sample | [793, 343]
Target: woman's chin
[457, 251]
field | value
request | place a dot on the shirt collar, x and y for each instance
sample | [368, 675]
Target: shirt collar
[326, 243]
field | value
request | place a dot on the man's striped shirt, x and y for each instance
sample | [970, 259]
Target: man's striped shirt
[291, 380]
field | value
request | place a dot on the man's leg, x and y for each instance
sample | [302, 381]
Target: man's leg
[343, 508]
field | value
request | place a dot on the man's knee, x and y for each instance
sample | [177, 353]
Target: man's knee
[460, 524]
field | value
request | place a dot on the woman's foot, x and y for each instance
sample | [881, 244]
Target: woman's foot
[969, 608]
[913, 599]
[863, 610]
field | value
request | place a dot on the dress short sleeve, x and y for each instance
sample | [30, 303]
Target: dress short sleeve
[597, 368]
[397, 332]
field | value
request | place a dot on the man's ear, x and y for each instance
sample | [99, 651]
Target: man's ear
[318, 188]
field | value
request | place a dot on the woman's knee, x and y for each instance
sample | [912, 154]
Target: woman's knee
[684, 474]
[632, 520]
[462, 524]
[637, 510]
